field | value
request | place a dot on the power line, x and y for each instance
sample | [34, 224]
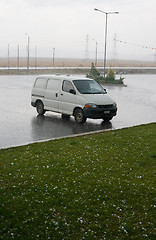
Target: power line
[134, 44]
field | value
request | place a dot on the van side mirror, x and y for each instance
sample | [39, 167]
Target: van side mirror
[72, 91]
[105, 90]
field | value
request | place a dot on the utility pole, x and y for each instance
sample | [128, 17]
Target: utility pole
[87, 52]
[35, 57]
[28, 46]
[95, 53]
[53, 57]
[18, 56]
[154, 59]
[28, 53]
[114, 55]
[8, 56]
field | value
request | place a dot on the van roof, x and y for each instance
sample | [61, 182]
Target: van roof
[63, 77]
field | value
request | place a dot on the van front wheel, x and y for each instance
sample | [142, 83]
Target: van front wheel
[107, 119]
[40, 108]
[79, 116]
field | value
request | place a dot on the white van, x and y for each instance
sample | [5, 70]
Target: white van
[72, 96]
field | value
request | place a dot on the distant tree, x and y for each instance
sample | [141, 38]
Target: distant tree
[93, 73]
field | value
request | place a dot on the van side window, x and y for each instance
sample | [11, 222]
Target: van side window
[40, 83]
[53, 84]
[67, 86]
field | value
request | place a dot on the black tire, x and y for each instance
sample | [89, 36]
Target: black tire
[65, 116]
[107, 119]
[40, 108]
[79, 116]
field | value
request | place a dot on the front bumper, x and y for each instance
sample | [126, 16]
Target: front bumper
[106, 111]
[33, 104]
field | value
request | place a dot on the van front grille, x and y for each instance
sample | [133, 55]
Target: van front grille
[105, 106]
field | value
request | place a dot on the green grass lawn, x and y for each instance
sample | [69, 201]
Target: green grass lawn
[99, 186]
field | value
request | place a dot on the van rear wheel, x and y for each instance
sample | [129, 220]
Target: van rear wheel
[79, 116]
[40, 108]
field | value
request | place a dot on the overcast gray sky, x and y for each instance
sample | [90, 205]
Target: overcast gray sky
[65, 24]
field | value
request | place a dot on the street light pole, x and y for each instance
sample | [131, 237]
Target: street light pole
[105, 47]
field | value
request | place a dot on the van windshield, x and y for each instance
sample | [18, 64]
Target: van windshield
[88, 87]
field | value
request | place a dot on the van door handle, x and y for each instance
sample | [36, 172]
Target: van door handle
[61, 94]
[56, 95]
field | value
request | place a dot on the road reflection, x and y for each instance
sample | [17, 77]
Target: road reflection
[53, 126]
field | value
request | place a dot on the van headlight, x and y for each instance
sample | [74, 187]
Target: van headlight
[114, 104]
[90, 105]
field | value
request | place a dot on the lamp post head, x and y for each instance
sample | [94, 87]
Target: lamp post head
[96, 9]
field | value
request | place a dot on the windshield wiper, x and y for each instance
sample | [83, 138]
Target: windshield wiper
[92, 92]
[86, 92]
[98, 93]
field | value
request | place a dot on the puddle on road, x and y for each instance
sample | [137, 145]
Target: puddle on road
[53, 126]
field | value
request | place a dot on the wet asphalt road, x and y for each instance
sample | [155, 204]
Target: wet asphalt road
[19, 123]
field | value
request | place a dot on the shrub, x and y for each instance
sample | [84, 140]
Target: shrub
[110, 78]
[110, 75]
[93, 73]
